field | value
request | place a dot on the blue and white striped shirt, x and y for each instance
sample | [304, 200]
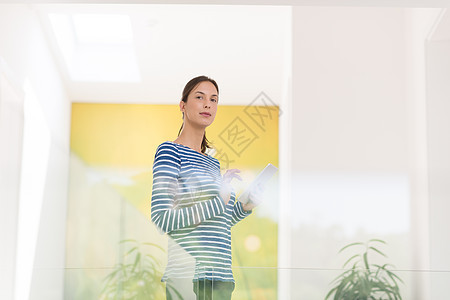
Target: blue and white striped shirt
[187, 206]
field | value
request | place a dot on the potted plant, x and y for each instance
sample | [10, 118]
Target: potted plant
[136, 277]
[365, 280]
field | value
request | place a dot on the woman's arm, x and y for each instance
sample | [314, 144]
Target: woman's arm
[238, 213]
[166, 169]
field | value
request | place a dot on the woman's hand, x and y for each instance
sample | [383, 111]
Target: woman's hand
[255, 198]
[226, 188]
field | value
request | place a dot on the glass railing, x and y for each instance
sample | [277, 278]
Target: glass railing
[135, 282]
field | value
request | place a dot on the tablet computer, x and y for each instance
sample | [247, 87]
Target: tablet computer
[262, 178]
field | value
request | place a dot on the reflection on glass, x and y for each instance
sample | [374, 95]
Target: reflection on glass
[136, 276]
[109, 201]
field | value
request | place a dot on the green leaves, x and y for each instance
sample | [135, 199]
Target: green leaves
[137, 277]
[364, 280]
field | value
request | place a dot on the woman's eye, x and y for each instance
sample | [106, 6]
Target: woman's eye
[199, 97]
[214, 100]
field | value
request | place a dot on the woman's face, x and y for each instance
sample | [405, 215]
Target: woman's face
[201, 107]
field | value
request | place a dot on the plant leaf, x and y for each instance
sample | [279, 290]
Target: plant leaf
[128, 241]
[136, 261]
[350, 259]
[130, 251]
[378, 251]
[377, 240]
[351, 245]
[366, 261]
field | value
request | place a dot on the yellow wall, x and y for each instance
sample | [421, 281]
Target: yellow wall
[119, 141]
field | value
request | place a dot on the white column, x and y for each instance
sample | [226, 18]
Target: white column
[418, 25]
[285, 176]
[438, 112]
[11, 130]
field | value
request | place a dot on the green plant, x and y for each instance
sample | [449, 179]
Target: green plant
[136, 277]
[364, 280]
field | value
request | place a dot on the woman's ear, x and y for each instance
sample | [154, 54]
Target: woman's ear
[182, 106]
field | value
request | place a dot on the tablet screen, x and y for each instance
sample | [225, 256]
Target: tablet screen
[262, 178]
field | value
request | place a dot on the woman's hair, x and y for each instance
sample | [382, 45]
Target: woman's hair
[186, 91]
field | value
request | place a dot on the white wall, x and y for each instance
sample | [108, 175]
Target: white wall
[438, 111]
[357, 121]
[11, 132]
[24, 49]
[419, 24]
[368, 116]
[349, 141]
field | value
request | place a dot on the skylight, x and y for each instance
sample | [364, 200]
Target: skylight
[97, 28]
[96, 47]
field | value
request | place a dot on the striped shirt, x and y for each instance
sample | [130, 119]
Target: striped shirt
[187, 206]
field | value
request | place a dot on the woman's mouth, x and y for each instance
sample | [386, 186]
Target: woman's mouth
[206, 114]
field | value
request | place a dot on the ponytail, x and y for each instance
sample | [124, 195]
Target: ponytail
[205, 143]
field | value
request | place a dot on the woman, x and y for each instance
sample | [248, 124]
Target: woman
[194, 204]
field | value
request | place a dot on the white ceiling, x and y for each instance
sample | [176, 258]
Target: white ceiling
[354, 3]
[441, 30]
[245, 48]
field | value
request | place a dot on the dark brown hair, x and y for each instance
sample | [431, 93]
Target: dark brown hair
[186, 91]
